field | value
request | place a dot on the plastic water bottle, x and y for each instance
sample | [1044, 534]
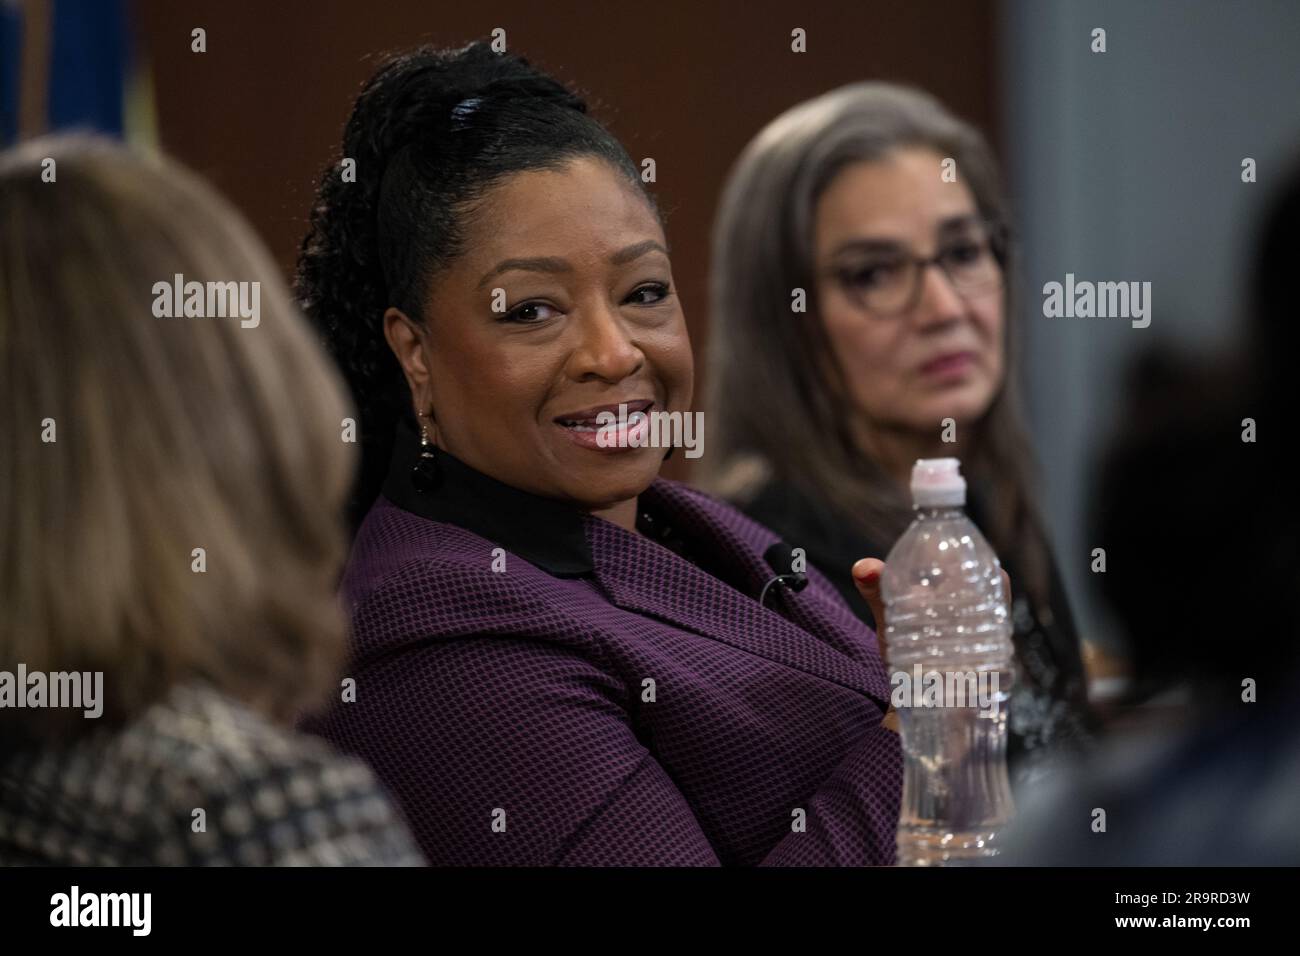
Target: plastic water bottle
[951, 663]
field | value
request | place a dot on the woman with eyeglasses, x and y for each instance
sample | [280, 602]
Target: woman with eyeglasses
[862, 319]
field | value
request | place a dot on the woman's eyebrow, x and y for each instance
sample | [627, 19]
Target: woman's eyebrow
[541, 264]
[953, 223]
[552, 264]
[868, 245]
[945, 227]
[636, 252]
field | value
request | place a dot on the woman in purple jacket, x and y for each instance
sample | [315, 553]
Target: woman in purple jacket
[559, 657]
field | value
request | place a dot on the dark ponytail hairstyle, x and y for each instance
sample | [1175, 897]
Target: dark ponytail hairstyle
[432, 131]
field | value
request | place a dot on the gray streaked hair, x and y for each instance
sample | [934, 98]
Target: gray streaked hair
[773, 386]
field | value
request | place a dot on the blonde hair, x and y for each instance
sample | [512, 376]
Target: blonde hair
[170, 435]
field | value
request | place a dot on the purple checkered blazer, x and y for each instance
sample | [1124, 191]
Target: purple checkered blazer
[646, 713]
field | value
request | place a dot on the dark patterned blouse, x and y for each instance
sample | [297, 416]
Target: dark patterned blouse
[195, 780]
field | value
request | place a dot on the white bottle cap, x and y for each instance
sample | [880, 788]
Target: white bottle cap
[937, 483]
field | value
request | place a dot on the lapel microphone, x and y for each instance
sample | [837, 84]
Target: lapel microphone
[780, 557]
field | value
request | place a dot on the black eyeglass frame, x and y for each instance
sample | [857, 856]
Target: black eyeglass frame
[997, 241]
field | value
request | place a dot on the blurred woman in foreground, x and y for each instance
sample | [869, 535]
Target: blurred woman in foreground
[170, 505]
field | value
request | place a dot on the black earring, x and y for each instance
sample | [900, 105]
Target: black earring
[426, 476]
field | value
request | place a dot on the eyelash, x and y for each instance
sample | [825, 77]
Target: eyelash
[660, 287]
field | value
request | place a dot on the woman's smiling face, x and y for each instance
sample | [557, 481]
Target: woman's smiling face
[590, 319]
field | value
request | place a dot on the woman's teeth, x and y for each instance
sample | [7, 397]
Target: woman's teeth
[591, 425]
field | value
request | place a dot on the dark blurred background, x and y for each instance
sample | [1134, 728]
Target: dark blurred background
[687, 83]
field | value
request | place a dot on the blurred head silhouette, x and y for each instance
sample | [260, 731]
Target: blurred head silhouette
[1195, 496]
[170, 489]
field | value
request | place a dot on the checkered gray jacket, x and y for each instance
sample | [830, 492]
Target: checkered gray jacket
[197, 779]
